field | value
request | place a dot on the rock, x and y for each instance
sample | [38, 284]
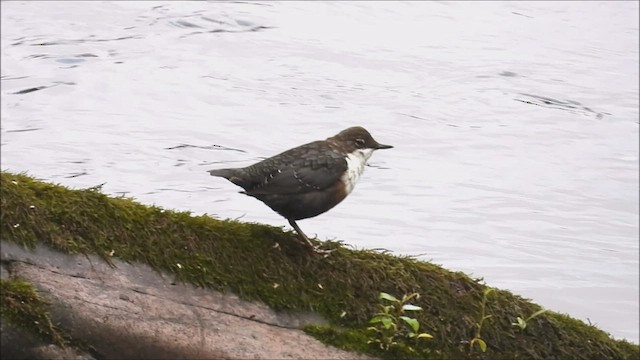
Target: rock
[131, 311]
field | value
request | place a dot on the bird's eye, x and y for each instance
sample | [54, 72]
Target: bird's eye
[359, 143]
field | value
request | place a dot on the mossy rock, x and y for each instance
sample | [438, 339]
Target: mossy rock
[265, 263]
[22, 306]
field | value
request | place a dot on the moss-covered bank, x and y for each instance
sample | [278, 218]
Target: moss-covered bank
[243, 258]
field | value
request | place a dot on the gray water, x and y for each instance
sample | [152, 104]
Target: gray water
[515, 124]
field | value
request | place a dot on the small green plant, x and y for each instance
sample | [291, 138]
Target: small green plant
[522, 323]
[391, 323]
[477, 339]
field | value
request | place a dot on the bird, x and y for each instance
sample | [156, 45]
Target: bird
[307, 180]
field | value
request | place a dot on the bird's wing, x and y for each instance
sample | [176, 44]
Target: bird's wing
[296, 171]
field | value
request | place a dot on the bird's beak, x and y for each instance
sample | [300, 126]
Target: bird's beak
[383, 146]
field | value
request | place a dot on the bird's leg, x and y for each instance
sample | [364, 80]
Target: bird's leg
[301, 235]
[305, 240]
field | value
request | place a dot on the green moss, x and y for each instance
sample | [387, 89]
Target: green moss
[346, 339]
[357, 341]
[21, 306]
[241, 257]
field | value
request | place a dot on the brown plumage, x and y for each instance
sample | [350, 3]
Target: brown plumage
[310, 179]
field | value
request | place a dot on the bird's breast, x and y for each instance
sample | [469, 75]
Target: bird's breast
[356, 162]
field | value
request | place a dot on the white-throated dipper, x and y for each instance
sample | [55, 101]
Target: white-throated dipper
[310, 179]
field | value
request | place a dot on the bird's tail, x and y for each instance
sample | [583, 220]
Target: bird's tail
[225, 173]
[233, 175]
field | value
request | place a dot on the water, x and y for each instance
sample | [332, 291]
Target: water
[515, 124]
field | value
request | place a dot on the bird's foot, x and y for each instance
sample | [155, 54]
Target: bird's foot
[324, 252]
[303, 239]
[315, 248]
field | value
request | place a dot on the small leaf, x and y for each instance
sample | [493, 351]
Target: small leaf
[425, 335]
[522, 323]
[411, 322]
[388, 297]
[378, 318]
[483, 345]
[409, 307]
[539, 312]
[411, 335]
[387, 323]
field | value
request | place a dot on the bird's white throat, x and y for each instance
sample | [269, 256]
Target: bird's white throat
[355, 166]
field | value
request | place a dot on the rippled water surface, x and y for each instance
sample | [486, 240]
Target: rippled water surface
[515, 124]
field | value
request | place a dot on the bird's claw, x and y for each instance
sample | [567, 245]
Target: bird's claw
[324, 252]
[315, 248]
